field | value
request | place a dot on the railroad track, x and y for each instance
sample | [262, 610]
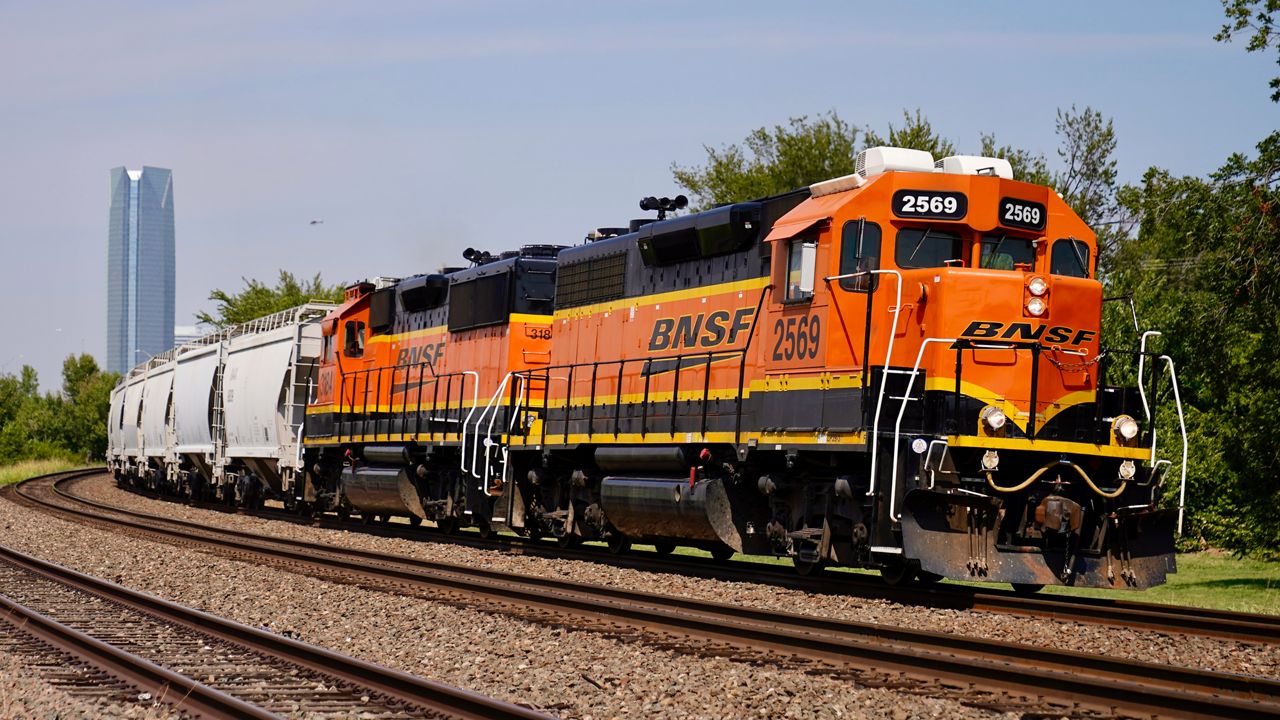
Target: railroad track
[103, 640]
[1128, 614]
[974, 671]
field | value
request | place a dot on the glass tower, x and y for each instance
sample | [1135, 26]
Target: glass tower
[140, 266]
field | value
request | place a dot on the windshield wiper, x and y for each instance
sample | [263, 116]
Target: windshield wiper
[919, 242]
[1075, 250]
[995, 251]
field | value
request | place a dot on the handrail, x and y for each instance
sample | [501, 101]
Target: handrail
[502, 386]
[888, 357]
[1182, 425]
[475, 401]
[520, 386]
[897, 428]
[1142, 391]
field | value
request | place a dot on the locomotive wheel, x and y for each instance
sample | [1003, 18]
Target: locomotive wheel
[721, 553]
[486, 530]
[928, 578]
[366, 518]
[897, 572]
[414, 520]
[619, 543]
[807, 568]
[1027, 588]
[568, 540]
[664, 548]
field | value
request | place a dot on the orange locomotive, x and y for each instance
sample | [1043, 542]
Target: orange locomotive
[898, 369]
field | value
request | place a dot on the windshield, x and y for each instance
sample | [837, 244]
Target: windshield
[1069, 257]
[1001, 252]
[926, 247]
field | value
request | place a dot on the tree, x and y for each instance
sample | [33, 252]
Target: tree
[1258, 16]
[258, 299]
[916, 134]
[772, 160]
[1202, 269]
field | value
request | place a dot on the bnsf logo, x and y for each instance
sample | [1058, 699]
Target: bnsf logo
[420, 354]
[702, 330]
[1057, 335]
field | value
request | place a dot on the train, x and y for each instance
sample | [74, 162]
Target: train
[900, 369]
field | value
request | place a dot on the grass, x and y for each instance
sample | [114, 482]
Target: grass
[30, 468]
[1209, 579]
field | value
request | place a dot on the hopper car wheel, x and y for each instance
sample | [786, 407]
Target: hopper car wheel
[722, 553]
[414, 520]
[448, 525]
[1027, 588]
[568, 540]
[343, 514]
[664, 548]
[366, 518]
[618, 543]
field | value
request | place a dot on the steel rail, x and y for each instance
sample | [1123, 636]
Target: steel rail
[175, 689]
[1129, 614]
[438, 697]
[1103, 683]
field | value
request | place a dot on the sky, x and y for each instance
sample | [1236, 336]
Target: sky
[417, 129]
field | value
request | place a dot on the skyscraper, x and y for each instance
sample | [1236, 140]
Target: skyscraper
[140, 266]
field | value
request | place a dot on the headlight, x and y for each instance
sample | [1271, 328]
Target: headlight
[1128, 470]
[993, 417]
[1036, 306]
[990, 460]
[1126, 427]
[1038, 286]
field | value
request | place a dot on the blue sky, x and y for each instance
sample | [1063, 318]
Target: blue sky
[416, 129]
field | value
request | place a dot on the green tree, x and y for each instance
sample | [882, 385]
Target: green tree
[258, 299]
[70, 424]
[916, 133]
[1027, 166]
[772, 160]
[1201, 268]
[1258, 17]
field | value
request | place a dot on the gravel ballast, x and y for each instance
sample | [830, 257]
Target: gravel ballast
[566, 672]
[1149, 646]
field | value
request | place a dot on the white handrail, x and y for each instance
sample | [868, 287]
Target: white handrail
[475, 400]
[1142, 392]
[492, 401]
[488, 433]
[888, 357]
[1182, 425]
[897, 427]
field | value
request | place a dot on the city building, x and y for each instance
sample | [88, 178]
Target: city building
[140, 266]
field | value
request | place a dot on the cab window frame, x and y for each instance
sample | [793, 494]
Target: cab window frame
[860, 235]
[353, 338]
[1070, 259]
[797, 258]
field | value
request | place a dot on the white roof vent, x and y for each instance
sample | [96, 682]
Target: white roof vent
[835, 185]
[975, 165]
[877, 160]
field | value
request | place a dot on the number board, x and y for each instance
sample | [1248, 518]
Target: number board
[1022, 214]
[936, 204]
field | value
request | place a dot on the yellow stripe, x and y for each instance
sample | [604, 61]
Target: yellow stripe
[1050, 446]
[411, 335]
[982, 394]
[531, 319]
[666, 297]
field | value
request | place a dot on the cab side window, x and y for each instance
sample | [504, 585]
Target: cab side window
[1069, 257]
[802, 266]
[353, 339]
[859, 252]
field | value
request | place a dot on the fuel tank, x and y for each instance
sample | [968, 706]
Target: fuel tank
[381, 490]
[645, 507]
